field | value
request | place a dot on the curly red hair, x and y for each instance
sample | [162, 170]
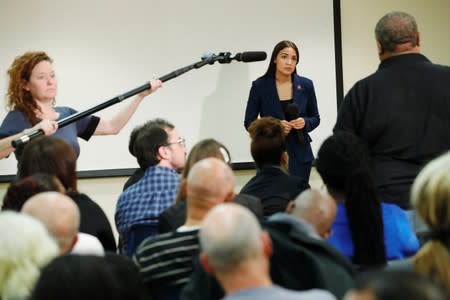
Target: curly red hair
[20, 71]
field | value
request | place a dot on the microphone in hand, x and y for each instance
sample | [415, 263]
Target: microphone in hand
[292, 112]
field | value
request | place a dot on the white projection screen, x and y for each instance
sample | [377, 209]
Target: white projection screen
[102, 49]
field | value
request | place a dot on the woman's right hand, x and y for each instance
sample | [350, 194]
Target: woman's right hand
[286, 126]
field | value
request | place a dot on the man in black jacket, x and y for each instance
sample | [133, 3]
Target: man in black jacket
[401, 111]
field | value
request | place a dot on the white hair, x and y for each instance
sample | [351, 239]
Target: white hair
[26, 247]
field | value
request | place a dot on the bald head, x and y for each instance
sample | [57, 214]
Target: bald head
[317, 208]
[210, 181]
[59, 214]
[230, 235]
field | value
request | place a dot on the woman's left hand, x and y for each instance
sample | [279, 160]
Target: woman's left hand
[155, 84]
[298, 123]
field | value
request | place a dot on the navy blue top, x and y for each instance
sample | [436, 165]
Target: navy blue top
[399, 238]
[15, 122]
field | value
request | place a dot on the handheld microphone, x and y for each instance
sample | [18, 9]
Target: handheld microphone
[292, 113]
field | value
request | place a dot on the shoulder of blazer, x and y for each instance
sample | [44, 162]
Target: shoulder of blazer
[263, 82]
[302, 81]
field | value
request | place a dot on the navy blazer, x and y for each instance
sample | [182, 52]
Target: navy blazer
[264, 101]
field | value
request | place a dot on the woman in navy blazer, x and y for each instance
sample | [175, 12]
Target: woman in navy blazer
[282, 94]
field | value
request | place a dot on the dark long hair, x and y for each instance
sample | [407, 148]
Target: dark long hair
[278, 47]
[343, 163]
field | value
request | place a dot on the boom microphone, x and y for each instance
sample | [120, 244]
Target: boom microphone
[226, 58]
[292, 113]
[251, 56]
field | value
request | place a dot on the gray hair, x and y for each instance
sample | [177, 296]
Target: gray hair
[396, 28]
[230, 234]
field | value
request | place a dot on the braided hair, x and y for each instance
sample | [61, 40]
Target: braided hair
[343, 163]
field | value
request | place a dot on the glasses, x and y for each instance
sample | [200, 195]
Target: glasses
[181, 141]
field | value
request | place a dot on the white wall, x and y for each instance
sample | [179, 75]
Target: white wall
[104, 48]
[359, 60]
[358, 19]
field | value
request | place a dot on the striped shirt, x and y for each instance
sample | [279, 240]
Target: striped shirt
[167, 259]
[143, 202]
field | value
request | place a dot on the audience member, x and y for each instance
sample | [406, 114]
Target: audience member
[401, 111]
[430, 197]
[316, 209]
[25, 248]
[54, 156]
[21, 190]
[236, 251]
[272, 184]
[61, 216]
[161, 151]
[139, 173]
[365, 230]
[300, 259]
[175, 215]
[395, 285]
[74, 277]
[31, 97]
[165, 262]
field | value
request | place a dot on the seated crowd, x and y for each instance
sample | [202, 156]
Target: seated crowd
[184, 233]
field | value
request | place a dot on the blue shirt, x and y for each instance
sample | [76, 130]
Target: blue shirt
[144, 201]
[15, 122]
[399, 238]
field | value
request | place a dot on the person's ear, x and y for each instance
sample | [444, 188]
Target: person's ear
[267, 244]
[380, 48]
[183, 187]
[72, 243]
[24, 85]
[290, 207]
[326, 235]
[418, 39]
[230, 196]
[285, 160]
[204, 262]
[162, 152]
